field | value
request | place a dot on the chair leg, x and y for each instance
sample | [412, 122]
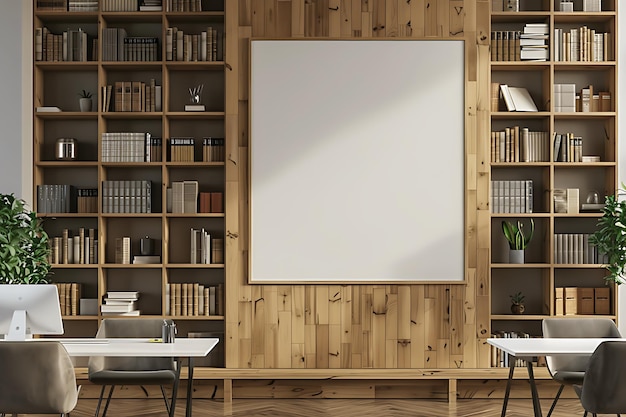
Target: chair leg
[100, 401]
[558, 394]
[167, 404]
[106, 406]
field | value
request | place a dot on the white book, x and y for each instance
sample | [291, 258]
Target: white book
[123, 294]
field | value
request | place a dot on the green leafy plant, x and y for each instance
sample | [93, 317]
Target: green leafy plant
[23, 244]
[85, 94]
[514, 234]
[610, 236]
[517, 298]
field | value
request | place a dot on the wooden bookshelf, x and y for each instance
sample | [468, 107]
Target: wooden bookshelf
[544, 270]
[58, 81]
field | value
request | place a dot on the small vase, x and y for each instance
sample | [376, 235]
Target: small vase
[85, 104]
[516, 256]
[517, 308]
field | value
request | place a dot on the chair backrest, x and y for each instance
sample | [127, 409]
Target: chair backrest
[129, 328]
[37, 378]
[576, 327]
[604, 387]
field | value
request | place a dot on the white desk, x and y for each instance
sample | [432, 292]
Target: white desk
[528, 348]
[182, 347]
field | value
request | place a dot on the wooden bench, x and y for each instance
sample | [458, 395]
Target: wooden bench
[227, 376]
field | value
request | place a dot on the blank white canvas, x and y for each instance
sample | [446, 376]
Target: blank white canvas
[357, 161]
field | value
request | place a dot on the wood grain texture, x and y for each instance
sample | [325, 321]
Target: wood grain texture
[364, 326]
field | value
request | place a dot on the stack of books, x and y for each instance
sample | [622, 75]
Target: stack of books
[120, 303]
[534, 42]
[151, 6]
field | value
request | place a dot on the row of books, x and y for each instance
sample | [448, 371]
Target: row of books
[194, 299]
[119, 5]
[183, 149]
[574, 248]
[86, 200]
[515, 45]
[566, 99]
[71, 45]
[52, 5]
[213, 149]
[69, 298]
[56, 198]
[515, 144]
[205, 249]
[123, 250]
[127, 196]
[203, 46]
[184, 196]
[82, 6]
[75, 248]
[211, 202]
[183, 5]
[582, 44]
[122, 303]
[511, 196]
[568, 148]
[118, 46]
[582, 301]
[126, 147]
[500, 359]
[135, 96]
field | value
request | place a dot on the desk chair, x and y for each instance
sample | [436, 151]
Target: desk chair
[603, 389]
[112, 371]
[37, 378]
[570, 369]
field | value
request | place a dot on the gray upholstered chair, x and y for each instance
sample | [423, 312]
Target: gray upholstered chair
[570, 369]
[37, 378]
[604, 388]
[112, 371]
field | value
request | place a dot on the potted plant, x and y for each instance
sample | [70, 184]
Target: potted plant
[23, 244]
[610, 238]
[517, 303]
[85, 101]
[518, 240]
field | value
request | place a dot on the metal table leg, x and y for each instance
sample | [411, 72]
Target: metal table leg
[189, 388]
[533, 389]
[508, 388]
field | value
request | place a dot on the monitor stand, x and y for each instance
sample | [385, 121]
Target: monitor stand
[17, 329]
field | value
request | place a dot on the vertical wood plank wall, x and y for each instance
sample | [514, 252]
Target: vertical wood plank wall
[358, 326]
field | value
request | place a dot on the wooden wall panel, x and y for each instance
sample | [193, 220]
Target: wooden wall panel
[360, 326]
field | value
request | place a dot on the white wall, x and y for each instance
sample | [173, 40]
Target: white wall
[15, 104]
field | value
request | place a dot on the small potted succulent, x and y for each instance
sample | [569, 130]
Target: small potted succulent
[85, 101]
[517, 303]
[517, 238]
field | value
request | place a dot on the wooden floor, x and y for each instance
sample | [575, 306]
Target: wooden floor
[331, 407]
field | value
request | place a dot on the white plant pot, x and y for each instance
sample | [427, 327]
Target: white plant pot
[85, 104]
[516, 256]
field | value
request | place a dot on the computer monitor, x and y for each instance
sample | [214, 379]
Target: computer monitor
[26, 310]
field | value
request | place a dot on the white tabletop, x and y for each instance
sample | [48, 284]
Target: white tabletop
[526, 347]
[182, 347]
